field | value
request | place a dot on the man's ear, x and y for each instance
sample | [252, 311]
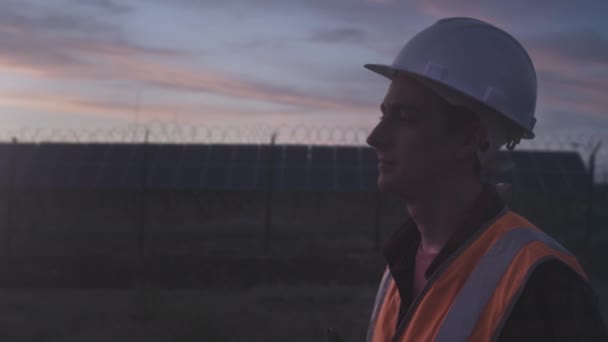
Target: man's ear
[473, 137]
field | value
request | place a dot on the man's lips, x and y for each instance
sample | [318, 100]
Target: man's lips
[383, 163]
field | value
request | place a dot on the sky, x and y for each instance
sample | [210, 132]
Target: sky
[106, 63]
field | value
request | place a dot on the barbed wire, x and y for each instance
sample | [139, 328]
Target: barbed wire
[181, 133]
[171, 132]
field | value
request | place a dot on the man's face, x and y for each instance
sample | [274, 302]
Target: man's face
[410, 139]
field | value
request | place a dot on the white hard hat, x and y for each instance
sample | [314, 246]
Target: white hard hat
[472, 64]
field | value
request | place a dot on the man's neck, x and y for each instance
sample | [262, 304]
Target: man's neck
[439, 210]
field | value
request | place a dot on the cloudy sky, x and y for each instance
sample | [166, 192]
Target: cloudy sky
[102, 63]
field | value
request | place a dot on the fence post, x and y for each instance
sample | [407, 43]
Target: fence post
[268, 216]
[142, 203]
[10, 199]
[142, 291]
[591, 193]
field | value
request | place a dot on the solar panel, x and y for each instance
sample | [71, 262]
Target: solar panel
[266, 152]
[348, 156]
[25, 154]
[5, 152]
[169, 154]
[59, 153]
[26, 174]
[322, 156]
[220, 153]
[134, 176]
[5, 175]
[86, 175]
[369, 157]
[278, 175]
[369, 181]
[146, 153]
[189, 176]
[95, 153]
[194, 154]
[76, 153]
[296, 156]
[161, 176]
[63, 175]
[571, 162]
[579, 182]
[246, 154]
[262, 177]
[43, 174]
[142, 153]
[348, 178]
[523, 160]
[50, 153]
[6, 163]
[215, 177]
[545, 171]
[242, 178]
[546, 160]
[112, 175]
[297, 167]
[322, 178]
[119, 154]
[294, 178]
[554, 182]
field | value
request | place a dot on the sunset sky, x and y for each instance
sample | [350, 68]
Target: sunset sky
[88, 63]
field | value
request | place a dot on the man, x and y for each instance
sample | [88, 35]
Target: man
[464, 267]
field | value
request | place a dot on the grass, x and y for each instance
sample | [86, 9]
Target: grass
[264, 313]
[215, 283]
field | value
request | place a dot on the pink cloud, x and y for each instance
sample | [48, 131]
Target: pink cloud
[154, 109]
[118, 62]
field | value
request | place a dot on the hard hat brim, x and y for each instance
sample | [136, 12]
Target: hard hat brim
[451, 95]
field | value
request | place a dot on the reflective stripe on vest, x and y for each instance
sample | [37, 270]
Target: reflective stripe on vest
[474, 295]
[471, 294]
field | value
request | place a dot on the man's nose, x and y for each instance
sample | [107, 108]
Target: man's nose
[379, 136]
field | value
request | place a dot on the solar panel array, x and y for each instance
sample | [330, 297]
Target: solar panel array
[245, 167]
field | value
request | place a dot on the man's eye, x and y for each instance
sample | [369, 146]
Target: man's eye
[403, 115]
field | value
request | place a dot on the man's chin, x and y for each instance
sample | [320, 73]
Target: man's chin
[388, 185]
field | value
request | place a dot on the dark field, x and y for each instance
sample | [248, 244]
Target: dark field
[211, 271]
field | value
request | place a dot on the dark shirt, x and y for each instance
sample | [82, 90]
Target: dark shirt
[556, 304]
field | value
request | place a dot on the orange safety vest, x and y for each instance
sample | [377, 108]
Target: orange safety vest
[469, 296]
